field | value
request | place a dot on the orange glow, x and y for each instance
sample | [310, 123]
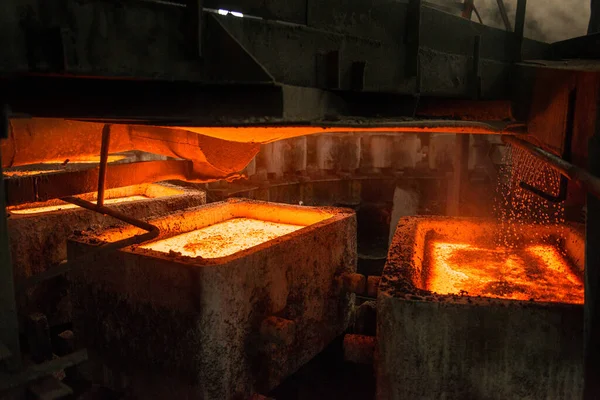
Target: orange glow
[66, 206]
[87, 160]
[224, 238]
[29, 173]
[536, 272]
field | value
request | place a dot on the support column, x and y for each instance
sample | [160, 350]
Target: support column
[592, 277]
[594, 25]
[460, 174]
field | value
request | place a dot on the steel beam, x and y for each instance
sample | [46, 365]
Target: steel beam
[504, 15]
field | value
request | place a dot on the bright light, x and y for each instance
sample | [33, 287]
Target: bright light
[539, 272]
[237, 14]
[224, 238]
[67, 206]
[223, 12]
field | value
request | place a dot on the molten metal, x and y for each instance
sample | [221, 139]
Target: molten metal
[536, 272]
[223, 239]
[65, 206]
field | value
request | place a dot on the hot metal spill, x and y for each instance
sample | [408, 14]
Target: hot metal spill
[223, 239]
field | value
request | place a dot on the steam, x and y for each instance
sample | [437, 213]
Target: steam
[546, 20]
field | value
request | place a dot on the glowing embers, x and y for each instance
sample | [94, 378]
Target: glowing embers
[223, 239]
[66, 206]
[536, 272]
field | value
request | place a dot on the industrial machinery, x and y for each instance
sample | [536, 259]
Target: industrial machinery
[121, 120]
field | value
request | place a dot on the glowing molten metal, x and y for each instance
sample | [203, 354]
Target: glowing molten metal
[66, 206]
[223, 239]
[536, 272]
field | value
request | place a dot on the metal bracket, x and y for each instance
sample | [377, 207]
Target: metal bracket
[566, 156]
[562, 193]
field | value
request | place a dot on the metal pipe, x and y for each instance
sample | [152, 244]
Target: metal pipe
[67, 265]
[578, 175]
[112, 213]
[103, 163]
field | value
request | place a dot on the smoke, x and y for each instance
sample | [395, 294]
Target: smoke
[545, 20]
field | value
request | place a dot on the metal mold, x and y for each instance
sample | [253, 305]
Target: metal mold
[38, 235]
[462, 344]
[216, 328]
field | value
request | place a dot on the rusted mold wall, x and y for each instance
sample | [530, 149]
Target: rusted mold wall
[450, 346]
[432, 350]
[177, 327]
[39, 241]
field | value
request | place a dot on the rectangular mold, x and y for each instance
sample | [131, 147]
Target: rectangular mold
[470, 341]
[222, 327]
[38, 239]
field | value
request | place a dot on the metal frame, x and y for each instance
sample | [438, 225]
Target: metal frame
[400, 55]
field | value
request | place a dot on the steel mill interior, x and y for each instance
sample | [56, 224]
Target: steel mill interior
[300, 199]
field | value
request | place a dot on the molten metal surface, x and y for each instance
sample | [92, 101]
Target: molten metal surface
[223, 239]
[66, 206]
[536, 272]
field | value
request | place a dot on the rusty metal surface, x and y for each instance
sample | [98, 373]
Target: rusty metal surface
[580, 176]
[359, 349]
[37, 140]
[67, 266]
[30, 189]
